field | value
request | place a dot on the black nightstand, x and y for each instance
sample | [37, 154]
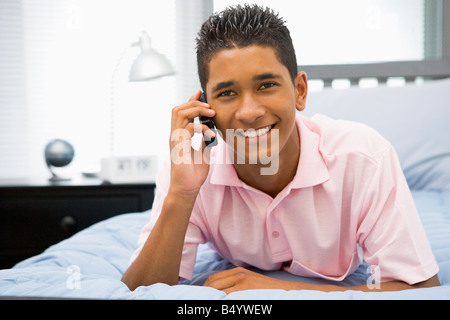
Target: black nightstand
[37, 214]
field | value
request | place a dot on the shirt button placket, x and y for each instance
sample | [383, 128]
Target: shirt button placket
[277, 241]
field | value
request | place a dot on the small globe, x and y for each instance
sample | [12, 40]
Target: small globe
[59, 153]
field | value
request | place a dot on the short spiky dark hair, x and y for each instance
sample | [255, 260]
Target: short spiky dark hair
[242, 26]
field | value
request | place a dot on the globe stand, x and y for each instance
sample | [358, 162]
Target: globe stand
[55, 177]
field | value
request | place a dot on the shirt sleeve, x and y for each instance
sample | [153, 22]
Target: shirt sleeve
[390, 231]
[194, 235]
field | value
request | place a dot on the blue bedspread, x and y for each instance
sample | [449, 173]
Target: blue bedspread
[90, 265]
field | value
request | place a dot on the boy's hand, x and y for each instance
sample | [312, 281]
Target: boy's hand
[243, 279]
[189, 167]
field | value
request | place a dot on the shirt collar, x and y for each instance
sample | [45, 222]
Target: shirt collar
[222, 169]
[311, 169]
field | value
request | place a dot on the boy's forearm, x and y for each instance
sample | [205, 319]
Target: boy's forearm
[384, 286]
[239, 278]
[160, 257]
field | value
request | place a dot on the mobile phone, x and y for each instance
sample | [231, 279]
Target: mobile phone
[210, 142]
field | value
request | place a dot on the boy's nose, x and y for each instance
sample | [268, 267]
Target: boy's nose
[249, 109]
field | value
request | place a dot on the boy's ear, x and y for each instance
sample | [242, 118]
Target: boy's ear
[301, 90]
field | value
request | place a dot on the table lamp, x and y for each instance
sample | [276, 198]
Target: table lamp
[148, 65]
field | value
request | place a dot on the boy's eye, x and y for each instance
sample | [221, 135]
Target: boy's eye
[267, 85]
[226, 94]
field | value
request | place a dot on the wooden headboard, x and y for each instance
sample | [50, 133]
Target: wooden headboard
[409, 70]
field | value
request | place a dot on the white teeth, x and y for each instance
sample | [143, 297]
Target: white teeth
[252, 133]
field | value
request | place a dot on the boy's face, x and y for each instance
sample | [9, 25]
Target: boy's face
[249, 88]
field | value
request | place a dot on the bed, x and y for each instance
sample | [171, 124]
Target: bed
[415, 118]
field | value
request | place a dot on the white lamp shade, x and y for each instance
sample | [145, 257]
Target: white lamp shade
[149, 64]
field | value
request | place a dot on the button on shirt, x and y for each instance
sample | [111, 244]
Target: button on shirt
[348, 201]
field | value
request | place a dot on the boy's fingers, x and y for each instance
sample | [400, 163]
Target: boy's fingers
[196, 96]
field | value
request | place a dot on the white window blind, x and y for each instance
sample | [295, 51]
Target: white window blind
[190, 16]
[64, 64]
[13, 111]
[351, 31]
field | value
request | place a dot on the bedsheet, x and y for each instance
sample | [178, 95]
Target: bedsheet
[90, 265]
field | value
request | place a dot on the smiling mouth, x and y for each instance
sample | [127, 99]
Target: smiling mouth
[253, 133]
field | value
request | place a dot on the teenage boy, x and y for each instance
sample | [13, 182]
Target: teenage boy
[336, 196]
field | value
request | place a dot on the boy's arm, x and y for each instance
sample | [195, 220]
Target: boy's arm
[160, 257]
[242, 279]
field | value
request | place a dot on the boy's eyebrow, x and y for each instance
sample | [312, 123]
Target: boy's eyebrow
[265, 76]
[222, 85]
[259, 77]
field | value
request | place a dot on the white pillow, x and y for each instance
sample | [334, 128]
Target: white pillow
[414, 118]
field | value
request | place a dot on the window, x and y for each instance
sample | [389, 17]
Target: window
[64, 64]
[358, 31]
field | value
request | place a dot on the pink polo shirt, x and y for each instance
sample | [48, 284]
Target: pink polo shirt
[348, 201]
